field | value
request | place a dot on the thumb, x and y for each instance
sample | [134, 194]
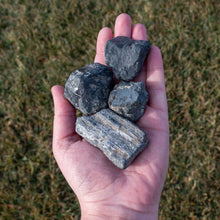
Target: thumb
[64, 116]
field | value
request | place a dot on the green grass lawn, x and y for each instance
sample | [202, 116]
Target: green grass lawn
[42, 42]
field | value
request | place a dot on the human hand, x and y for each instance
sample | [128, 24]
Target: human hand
[105, 191]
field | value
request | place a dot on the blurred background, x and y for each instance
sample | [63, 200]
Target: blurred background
[43, 41]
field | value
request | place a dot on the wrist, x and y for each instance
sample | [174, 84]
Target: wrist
[118, 212]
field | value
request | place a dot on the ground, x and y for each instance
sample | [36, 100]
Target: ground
[42, 42]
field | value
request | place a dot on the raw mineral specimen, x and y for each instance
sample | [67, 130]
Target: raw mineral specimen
[128, 99]
[119, 139]
[126, 56]
[88, 88]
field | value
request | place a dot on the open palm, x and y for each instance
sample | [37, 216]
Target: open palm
[103, 190]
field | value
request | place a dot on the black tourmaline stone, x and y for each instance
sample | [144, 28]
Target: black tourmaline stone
[126, 56]
[87, 88]
[129, 99]
[118, 138]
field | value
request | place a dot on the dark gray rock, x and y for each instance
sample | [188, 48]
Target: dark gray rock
[118, 138]
[126, 56]
[88, 88]
[128, 99]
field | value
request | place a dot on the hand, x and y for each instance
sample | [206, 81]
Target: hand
[105, 191]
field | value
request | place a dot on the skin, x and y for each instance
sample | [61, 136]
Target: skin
[105, 191]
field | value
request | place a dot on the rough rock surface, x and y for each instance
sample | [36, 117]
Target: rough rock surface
[118, 138]
[128, 99]
[88, 88]
[126, 56]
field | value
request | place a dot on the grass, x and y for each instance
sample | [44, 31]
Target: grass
[42, 42]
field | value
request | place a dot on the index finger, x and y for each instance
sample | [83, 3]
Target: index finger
[104, 35]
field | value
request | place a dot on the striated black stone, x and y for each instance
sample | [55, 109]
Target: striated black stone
[87, 88]
[129, 99]
[118, 138]
[126, 56]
